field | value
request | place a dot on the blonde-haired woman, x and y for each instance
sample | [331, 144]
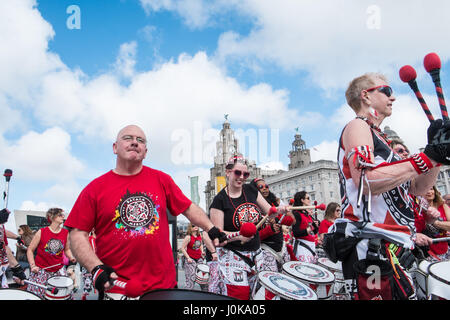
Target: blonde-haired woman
[50, 243]
[192, 249]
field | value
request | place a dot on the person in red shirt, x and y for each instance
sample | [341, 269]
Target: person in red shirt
[440, 227]
[128, 206]
[50, 243]
[332, 212]
[192, 250]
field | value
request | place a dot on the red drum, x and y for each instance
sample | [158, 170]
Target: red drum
[182, 294]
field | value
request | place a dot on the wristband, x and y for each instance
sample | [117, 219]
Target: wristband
[421, 163]
[101, 275]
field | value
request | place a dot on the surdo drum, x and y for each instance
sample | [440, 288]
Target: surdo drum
[316, 277]
[421, 278]
[63, 286]
[336, 269]
[283, 286]
[16, 294]
[202, 274]
[438, 283]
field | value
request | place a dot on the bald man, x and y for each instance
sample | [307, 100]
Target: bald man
[127, 208]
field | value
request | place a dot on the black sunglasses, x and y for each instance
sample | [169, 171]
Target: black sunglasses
[401, 150]
[239, 173]
[261, 186]
[385, 89]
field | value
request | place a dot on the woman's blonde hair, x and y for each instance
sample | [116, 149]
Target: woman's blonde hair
[357, 85]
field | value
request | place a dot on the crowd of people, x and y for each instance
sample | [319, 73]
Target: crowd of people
[389, 215]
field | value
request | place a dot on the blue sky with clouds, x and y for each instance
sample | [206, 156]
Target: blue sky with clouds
[176, 67]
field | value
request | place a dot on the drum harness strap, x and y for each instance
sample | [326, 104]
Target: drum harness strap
[298, 242]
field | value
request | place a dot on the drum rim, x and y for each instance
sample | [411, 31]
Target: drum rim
[430, 273]
[307, 288]
[324, 282]
[325, 266]
[60, 286]
[185, 290]
[27, 292]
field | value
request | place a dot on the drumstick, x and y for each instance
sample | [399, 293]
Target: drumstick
[53, 290]
[51, 266]
[320, 207]
[441, 239]
[272, 210]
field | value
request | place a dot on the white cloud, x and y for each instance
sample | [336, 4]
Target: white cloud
[39, 206]
[42, 156]
[326, 150]
[126, 60]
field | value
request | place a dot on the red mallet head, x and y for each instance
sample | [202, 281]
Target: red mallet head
[134, 288]
[248, 229]
[321, 206]
[272, 210]
[431, 62]
[291, 201]
[407, 73]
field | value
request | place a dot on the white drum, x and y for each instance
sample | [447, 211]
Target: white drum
[316, 277]
[336, 269]
[438, 283]
[283, 286]
[63, 286]
[202, 274]
[16, 294]
[421, 277]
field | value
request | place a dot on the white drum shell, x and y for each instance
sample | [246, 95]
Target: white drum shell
[16, 294]
[438, 282]
[202, 274]
[64, 286]
[285, 287]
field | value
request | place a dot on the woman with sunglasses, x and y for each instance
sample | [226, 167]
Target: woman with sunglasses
[192, 250]
[375, 182]
[275, 253]
[50, 243]
[238, 203]
[304, 229]
[332, 212]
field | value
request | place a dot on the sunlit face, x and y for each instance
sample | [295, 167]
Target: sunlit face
[237, 175]
[337, 212]
[379, 101]
[430, 195]
[131, 144]
[307, 200]
[401, 150]
[263, 188]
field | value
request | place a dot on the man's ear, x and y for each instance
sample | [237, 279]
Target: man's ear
[114, 148]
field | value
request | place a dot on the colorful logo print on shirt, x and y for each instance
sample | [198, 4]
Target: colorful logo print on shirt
[246, 212]
[54, 247]
[137, 214]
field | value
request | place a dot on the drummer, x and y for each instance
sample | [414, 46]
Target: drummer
[272, 242]
[128, 208]
[192, 249]
[304, 230]
[332, 212]
[51, 242]
[235, 204]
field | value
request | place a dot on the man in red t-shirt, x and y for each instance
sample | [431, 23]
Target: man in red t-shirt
[127, 208]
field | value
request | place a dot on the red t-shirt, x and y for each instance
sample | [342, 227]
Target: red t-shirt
[440, 247]
[325, 224]
[194, 247]
[50, 250]
[129, 214]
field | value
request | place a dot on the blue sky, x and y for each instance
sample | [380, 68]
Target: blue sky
[173, 66]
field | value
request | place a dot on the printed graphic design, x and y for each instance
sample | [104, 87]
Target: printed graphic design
[137, 214]
[246, 212]
[54, 247]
